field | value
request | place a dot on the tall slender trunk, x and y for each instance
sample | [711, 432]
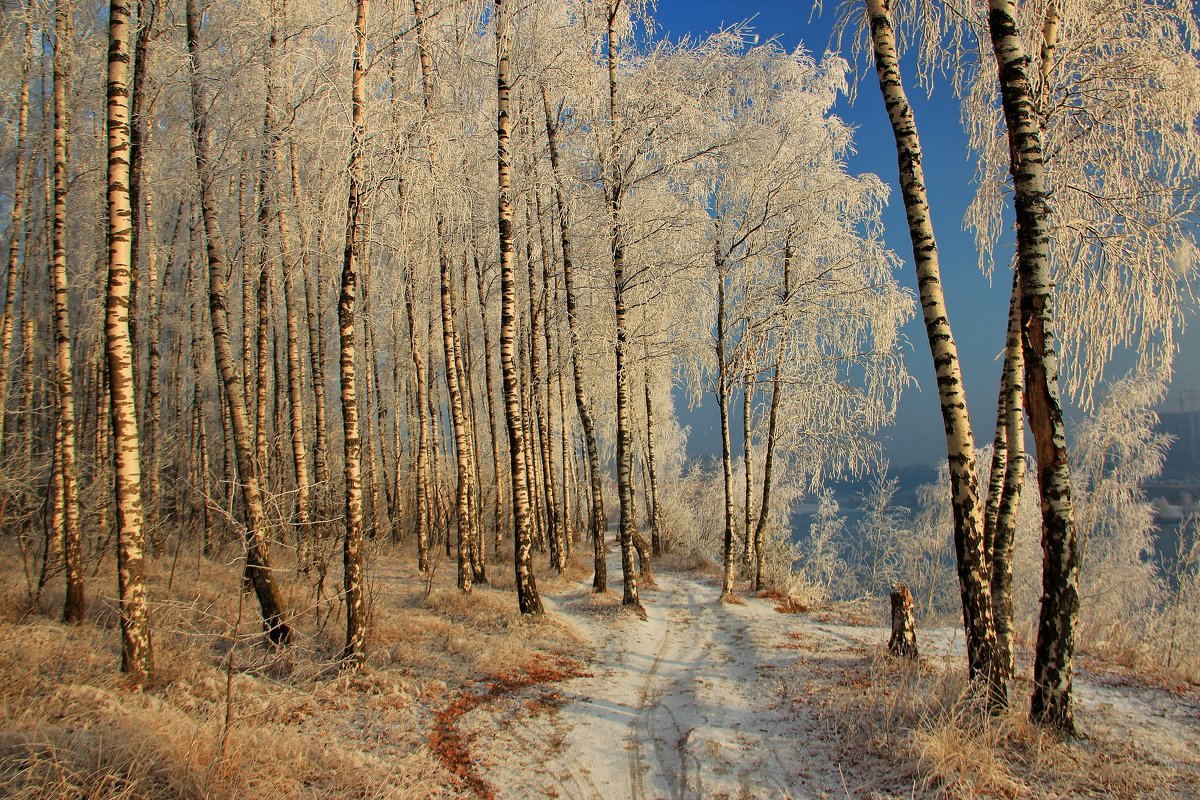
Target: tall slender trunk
[72, 546]
[352, 556]
[558, 548]
[263, 329]
[16, 264]
[567, 477]
[258, 567]
[295, 371]
[598, 524]
[1005, 525]
[491, 404]
[136, 654]
[462, 439]
[973, 569]
[1052, 671]
[537, 421]
[764, 509]
[614, 191]
[423, 493]
[748, 465]
[138, 140]
[527, 594]
[657, 544]
[726, 450]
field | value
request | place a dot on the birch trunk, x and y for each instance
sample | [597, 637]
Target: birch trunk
[462, 441]
[491, 404]
[614, 191]
[973, 570]
[598, 524]
[16, 264]
[772, 426]
[658, 545]
[748, 464]
[726, 454]
[354, 653]
[73, 607]
[423, 496]
[1052, 672]
[258, 567]
[295, 372]
[1005, 525]
[527, 594]
[136, 653]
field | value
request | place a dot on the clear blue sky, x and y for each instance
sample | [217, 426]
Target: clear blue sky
[978, 309]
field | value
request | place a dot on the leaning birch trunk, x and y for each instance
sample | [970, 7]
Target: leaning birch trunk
[295, 376]
[973, 570]
[614, 191]
[136, 658]
[354, 653]
[1004, 528]
[258, 567]
[582, 401]
[1052, 671]
[527, 594]
[73, 607]
[16, 266]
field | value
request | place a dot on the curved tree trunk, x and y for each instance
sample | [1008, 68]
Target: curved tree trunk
[258, 567]
[973, 569]
[1052, 672]
[599, 524]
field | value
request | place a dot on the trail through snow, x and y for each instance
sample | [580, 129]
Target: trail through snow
[684, 704]
[710, 700]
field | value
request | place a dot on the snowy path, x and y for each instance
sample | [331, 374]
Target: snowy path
[707, 700]
[684, 704]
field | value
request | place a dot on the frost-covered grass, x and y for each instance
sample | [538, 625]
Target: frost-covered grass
[923, 719]
[283, 724]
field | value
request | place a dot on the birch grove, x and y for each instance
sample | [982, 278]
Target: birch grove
[516, 241]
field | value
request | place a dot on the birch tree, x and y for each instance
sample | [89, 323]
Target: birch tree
[136, 656]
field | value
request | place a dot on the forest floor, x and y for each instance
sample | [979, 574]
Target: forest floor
[462, 697]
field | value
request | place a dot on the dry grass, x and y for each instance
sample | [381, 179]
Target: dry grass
[71, 728]
[922, 719]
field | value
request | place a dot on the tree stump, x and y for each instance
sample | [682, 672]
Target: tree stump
[903, 642]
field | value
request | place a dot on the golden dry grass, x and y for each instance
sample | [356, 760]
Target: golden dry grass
[922, 719]
[298, 728]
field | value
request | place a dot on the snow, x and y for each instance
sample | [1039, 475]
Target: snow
[703, 699]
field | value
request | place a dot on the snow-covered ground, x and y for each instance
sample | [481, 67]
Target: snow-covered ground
[703, 699]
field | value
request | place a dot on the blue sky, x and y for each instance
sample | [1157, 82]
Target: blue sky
[978, 309]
